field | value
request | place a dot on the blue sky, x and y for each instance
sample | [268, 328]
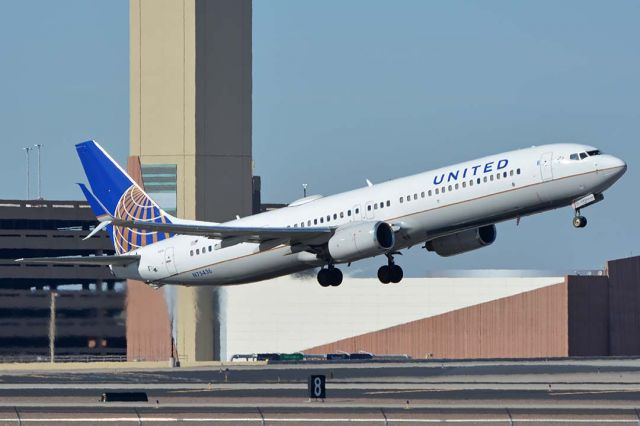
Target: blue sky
[349, 90]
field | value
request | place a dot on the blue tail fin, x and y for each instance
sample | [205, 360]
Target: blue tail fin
[118, 194]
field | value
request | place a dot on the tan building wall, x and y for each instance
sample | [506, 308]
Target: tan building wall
[190, 63]
[530, 324]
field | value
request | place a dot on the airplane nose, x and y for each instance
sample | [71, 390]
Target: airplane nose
[613, 167]
[619, 166]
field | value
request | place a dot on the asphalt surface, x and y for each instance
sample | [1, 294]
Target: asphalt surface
[596, 391]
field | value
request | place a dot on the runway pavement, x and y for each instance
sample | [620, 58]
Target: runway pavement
[595, 391]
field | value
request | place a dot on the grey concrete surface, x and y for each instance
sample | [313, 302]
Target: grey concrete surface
[595, 391]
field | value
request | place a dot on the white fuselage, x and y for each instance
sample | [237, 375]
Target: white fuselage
[421, 207]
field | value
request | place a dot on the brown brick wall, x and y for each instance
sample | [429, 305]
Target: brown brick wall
[624, 306]
[530, 324]
[588, 300]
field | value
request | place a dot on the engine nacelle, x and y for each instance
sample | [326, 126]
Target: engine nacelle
[360, 240]
[464, 241]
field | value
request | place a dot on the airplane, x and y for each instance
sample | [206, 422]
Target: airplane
[448, 211]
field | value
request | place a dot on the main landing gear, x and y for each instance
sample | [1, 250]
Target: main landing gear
[331, 276]
[390, 273]
[579, 221]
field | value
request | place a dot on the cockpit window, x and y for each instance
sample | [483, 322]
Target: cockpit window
[583, 155]
[594, 152]
[573, 157]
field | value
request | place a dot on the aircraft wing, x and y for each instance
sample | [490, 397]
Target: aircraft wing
[249, 234]
[122, 260]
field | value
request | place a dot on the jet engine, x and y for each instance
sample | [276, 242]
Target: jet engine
[359, 240]
[464, 241]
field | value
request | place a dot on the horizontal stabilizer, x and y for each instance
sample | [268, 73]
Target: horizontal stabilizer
[123, 260]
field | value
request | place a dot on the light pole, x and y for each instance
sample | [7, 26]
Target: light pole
[27, 149]
[52, 326]
[38, 146]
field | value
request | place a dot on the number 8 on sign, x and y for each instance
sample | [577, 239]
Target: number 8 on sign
[317, 388]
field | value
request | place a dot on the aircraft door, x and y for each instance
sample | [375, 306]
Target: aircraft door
[546, 169]
[170, 261]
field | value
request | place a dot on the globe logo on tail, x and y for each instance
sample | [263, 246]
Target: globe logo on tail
[136, 205]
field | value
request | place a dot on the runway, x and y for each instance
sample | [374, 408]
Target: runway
[594, 391]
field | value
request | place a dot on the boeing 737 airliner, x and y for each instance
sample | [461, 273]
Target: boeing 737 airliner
[449, 211]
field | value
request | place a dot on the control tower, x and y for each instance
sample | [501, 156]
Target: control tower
[190, 135]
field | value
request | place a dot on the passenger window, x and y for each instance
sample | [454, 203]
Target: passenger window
[357, 211]
[321, 220]
[471, 182]
[408, 198]
[518, 171]
[422, 194]
[197, 251]
[443, 190]
[210, 248]
[464, 184]
[381, 205]
[301, 224]
[457, 186]
[335, 216]
[415, 196]
[309, 223]
[369, 207]
[437, 191]
[450, 188]
[295, 225]
[375, 206]
[511, 173]
[498, 176]
[478, 181]
[491, 177]
[341, 215]
[348, 212]
[401, 200]
[388, 203]
[430, 193]
[315, 221]
[485, 179]
[328, 218]
[504, 174]
[191, 252]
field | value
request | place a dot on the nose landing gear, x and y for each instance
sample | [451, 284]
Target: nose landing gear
[390, 273]
[579, 221]
[331, 276]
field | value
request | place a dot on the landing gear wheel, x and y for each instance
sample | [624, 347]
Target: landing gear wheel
[336, 277]
[330, 277]
[324, 278]
[579, 221]
[384, 274]
[395, 273]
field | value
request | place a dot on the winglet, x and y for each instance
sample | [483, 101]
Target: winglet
[369, 183]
